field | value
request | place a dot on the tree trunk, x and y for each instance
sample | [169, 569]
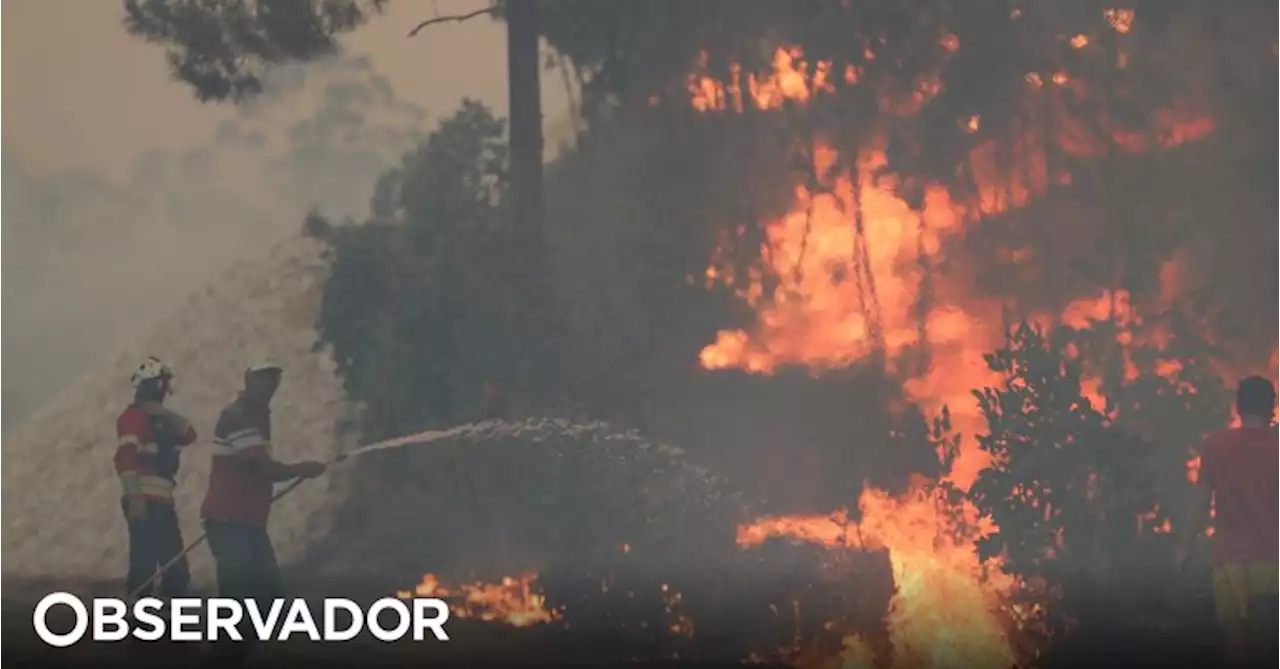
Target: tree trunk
[524, 90]
[528, 262]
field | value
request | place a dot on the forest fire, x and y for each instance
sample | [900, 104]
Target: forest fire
[939, 301]
[849, 261]
[843, 278]
[848, 290]
[511, 602]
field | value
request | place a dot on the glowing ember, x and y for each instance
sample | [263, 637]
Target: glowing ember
[512, 601]
[1120, 19]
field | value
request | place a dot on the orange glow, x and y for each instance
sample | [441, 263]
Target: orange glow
[846, 260]
[1120, 19]
[512, 601]
[949, 608]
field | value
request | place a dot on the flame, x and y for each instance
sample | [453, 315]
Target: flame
[511, 601]
[844, 295]
[790, 79]
[841, 281]
[850, 257]
[848, 261]
[950, 608]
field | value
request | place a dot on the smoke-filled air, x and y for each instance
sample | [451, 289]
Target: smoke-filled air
[82, 241]
[841, 333]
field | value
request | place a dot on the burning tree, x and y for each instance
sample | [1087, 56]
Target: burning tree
[788, 236]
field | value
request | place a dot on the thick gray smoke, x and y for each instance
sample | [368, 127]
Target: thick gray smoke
[93, 259]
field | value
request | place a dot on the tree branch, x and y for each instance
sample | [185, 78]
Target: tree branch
[452, 18]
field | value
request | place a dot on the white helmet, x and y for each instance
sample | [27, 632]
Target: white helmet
[149, 370]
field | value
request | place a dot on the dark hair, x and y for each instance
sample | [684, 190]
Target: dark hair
[1256, 397]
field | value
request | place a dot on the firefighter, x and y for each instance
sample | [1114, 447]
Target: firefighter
[150, 441]
[238, 501]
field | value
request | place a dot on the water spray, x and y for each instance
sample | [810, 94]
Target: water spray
[535, 428]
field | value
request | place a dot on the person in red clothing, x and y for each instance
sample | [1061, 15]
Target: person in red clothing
[150, 438]
[238, 501]
[1238, 473]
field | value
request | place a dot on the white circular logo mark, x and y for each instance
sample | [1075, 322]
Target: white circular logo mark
[42, 628]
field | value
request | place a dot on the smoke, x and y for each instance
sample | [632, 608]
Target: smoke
[94, 259]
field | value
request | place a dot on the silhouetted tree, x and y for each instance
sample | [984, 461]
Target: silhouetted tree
[223, 49]
[415, 307]
[1066, 487]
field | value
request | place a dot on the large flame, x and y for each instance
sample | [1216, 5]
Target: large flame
[848, 264]
[950, 609]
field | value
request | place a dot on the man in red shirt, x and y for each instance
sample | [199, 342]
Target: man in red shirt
[150, 437]
[1239, 473]
[238, 502]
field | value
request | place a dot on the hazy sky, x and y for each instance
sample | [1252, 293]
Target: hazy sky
[80, 94]
[78, 91]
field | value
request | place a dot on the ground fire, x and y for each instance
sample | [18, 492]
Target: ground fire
[950, 607]
[511, 601]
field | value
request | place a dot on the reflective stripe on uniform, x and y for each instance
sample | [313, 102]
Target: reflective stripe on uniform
[239, 441]
[155, 487]
[145, 448]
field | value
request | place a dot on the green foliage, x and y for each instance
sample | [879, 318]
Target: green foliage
[1066, 486]
[415, 308]
[222, 49]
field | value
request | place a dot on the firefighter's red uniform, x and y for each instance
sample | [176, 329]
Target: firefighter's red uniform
[147, 464]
